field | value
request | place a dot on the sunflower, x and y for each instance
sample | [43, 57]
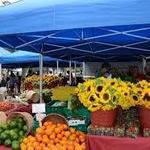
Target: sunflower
[94, 107]
[146, 97]
[105, 97]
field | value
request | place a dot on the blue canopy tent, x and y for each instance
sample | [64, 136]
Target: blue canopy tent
[23, 59]
[80, 30]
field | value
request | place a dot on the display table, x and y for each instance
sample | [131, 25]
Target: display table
[117, 143]
[4, 148]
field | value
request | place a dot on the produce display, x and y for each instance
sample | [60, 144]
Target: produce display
[7, 105]
[107, 94]
[101, 131]
[53, 136]
[62, 93]
[13, 132]
[49, 81]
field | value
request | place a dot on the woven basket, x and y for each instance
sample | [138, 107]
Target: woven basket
[27, 118]
[55, 118]
[32, 96]
[3, 118]
[144, 116]
[103, 118]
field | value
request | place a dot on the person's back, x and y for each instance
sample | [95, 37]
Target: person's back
[3, 83]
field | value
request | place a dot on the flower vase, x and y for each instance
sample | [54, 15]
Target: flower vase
[103, 118]
[144, 116]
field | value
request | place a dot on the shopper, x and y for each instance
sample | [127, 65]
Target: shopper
[3, 89]
[18, 82]
[147, 72]
[12, 83]
[106, 70]
[3, 82]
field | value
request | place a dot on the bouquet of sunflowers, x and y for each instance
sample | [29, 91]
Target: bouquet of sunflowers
[142, 93]
[102, 93]
[106, 94]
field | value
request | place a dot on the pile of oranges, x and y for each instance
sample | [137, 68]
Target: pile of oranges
[53, 136]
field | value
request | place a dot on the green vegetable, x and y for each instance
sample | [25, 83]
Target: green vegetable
[7, 142]
[3, 136]
[14, 136]
[20, 125]
[1, 130]
[25, 128]
[12, 124]
[4, 126]
[21, 133]
[7, 132]
[21, 121]
[15, 145]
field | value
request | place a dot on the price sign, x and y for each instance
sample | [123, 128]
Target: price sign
[38, 108]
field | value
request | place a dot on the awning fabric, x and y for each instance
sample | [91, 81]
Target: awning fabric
[79, 30]
[25, 59]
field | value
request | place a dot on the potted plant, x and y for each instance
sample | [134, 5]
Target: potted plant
[143, 91]
[100, 96]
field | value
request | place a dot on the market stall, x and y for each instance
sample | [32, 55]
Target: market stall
[91, 31]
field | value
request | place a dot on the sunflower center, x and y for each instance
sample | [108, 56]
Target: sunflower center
[114, 98]
[97, 95]
[99, 88]
[139, 86]
[146, 97]
[135, 97]
[89, 89]
[106, 96]
[125, 94]
[92, 99]
[112, 83]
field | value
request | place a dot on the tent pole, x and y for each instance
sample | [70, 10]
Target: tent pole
[83, 65]
[70, 79]
[144, 65]
[41, 75]
[57, 66]
[75, 70]
[0, 72]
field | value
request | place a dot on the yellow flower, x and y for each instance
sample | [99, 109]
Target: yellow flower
[105, 97]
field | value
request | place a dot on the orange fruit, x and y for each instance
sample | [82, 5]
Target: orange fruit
[25, 140]
[38, 147]
[64, 138]
[72, 130]
[23, 146]
[52, 136]
[56, 140]
[82, 138]
[57, 130]
[65, 127]
[39, 131]
[35, 144]
[30, 148]
[59, 136]
[67, 134]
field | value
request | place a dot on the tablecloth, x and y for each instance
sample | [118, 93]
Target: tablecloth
[117, 143]
[4, 148]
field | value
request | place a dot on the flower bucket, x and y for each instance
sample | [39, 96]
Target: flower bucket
[144, 116]
[103, 118]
